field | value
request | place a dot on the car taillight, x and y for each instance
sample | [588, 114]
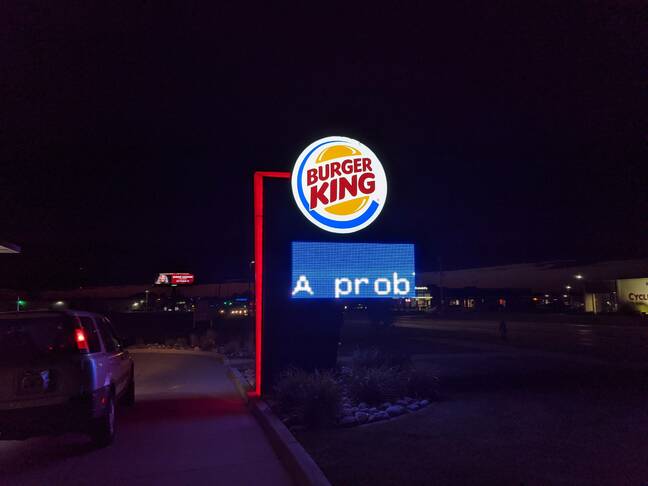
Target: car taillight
[80, 339]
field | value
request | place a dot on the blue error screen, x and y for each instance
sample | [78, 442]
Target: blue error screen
[352, 270]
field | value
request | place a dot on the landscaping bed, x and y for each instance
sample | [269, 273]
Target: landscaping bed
[208, 340]
[374, 387]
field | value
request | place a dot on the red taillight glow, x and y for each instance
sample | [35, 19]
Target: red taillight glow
[79, 337]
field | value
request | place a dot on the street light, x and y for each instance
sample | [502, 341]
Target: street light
[250, 281]
[580, 277]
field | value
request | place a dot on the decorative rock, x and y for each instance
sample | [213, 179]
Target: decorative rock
[363, 406]
[362, 417]
[372, 410]
[409, 399]
[402, 402]
[424, 403]
[348, 421]
[290, 420]
[380, 416]
[354, 409]
[413, 407]
[395, 410]
[385, 405]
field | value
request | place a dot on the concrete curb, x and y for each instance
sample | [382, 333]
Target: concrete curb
[239, 382]
[300, 465]
[219, 357]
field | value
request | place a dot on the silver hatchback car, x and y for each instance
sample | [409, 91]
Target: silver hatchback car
[61, 372]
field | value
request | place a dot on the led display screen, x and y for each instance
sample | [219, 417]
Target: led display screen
[352, 270]
[174, 279]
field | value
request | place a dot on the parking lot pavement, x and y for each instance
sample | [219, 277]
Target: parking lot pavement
[188, 427]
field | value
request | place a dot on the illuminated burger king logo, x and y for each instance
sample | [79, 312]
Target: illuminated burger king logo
[339, 184]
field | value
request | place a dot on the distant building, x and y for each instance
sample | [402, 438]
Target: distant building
[127, 298]
[556, 285]
[9, 247]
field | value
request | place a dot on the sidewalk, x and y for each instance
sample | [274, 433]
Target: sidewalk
[189, 426]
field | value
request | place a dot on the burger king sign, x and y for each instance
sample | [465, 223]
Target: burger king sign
[339, 184]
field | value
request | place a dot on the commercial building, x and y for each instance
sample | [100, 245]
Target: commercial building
[9, 247]
[127, 298]
[597, 287]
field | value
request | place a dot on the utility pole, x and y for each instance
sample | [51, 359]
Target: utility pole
[441, 296]
[250, 299]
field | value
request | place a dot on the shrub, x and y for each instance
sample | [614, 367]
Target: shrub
[208, 340]
[313, 398]
[376, 358]
[232, 347]
[194, 340]
[421, 384]
[630, 309]
[376, 385]
[289, 390]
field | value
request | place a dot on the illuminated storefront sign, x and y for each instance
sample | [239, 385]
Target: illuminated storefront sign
[352, 270]
[339, 184]
[174, 279]
[633, 292]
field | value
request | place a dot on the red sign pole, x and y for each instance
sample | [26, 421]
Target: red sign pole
[258, 271]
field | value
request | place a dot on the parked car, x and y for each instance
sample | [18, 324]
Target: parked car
[61, 371]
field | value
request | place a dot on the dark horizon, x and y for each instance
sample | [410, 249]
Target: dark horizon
[130, 137]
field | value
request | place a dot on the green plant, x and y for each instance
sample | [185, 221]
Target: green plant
[232, 347]
[376, 385]
[313, 398]
[289, 390]
[422, 384]
[208, 340]
[376, 358]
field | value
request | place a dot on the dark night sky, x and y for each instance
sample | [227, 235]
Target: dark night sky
[510, 132]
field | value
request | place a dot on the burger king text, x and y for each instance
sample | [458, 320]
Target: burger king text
[334, 181]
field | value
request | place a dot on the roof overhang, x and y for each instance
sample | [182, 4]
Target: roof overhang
[8, 247]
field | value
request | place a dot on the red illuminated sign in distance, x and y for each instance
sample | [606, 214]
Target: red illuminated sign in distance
[174, 279]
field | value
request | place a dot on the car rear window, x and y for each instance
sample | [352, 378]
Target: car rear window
[26, 339]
